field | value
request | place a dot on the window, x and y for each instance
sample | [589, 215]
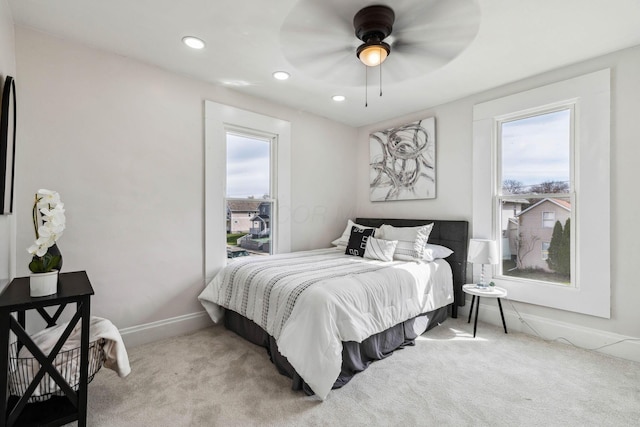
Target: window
[545, 250]
[548, 219]
[220, 120]
[250, 192]
[535, 177]
[509, 199]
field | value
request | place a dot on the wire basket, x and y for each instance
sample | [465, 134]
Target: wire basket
[22, 370]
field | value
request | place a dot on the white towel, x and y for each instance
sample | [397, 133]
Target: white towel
[115, 353]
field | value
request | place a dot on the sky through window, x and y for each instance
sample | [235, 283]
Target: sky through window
[247, 166]
[537, 149]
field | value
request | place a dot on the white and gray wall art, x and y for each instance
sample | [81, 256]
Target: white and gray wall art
[403, 162]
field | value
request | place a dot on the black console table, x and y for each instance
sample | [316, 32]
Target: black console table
[72, 405]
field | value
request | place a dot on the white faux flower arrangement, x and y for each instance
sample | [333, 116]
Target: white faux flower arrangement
[48, 209]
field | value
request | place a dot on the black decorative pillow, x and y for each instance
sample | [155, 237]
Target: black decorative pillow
[358, 240]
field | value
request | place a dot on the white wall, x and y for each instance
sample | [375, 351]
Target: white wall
[123, 144]
[455, 186]
[7, 68]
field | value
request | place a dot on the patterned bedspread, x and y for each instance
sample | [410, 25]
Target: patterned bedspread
[312, 301]
[266, 290]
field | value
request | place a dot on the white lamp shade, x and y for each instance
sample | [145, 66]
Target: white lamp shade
[483, 251]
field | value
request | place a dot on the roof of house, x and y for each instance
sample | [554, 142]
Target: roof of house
[243, 205]
[558, 202]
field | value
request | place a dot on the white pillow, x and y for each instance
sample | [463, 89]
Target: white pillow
[433, 252]
[344, 239]
[380, 249]
[421, 239]
[411, 240]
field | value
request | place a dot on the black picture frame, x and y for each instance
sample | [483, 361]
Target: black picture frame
[7, 146]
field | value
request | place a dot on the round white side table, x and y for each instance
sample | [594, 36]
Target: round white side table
[489, 291]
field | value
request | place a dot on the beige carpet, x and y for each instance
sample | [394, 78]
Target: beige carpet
[214, 378]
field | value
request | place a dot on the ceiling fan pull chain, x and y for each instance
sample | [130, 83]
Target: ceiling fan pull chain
[366, 103]
[380, 78]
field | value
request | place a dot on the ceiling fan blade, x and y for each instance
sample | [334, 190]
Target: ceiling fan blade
[431, 33]
[318, 38]
[400, 67]
[319, 53]
[455, 37]
[420, 60]
[335, 66]
[322, 62]
[321, 18]
[452, 24]
[346, 70]
[451, 14]
[446, 50]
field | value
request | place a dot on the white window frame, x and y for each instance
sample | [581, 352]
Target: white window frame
[273, 177]
[591, 95]
[219, 117]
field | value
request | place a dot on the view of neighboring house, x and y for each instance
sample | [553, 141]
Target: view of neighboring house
[259, 239]
[510, 210]
[260, 223]
[251, 217]
[240, 214]
[533, 227]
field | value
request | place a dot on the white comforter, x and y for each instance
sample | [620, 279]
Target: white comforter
[315, 300]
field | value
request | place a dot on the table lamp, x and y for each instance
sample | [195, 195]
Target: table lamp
[483, 251]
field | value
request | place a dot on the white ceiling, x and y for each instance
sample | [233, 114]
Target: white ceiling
[246, 42]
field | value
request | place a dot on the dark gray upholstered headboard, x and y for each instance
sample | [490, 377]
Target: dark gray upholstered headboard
[452, 234]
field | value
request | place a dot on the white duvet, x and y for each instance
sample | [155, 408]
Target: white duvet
[335, 298]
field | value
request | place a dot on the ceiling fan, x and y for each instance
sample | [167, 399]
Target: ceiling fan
[324, 39]
[372, 25]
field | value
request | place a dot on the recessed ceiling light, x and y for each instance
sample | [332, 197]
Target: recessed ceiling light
[281, 75]
[193, 42]
[235, 83]
[338, 98]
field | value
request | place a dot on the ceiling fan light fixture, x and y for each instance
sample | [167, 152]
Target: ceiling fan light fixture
[372, 25]
[373, 52]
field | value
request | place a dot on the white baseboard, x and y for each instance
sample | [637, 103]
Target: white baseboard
[141, 334]
[553, 330]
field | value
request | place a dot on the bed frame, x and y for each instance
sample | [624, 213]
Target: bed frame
[356, 357]
[452, 234]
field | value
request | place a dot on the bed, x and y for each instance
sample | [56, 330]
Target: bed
[324, 316]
